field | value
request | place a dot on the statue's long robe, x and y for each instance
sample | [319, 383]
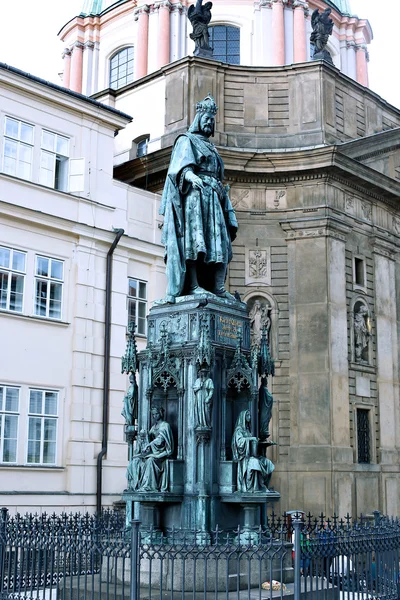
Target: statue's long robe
[253, 471]
[202, 406]
[196, 222]
[155, 470]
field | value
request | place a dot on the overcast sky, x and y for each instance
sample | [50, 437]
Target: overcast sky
[28, 39]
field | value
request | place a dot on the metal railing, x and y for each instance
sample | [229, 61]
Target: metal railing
[82, 557]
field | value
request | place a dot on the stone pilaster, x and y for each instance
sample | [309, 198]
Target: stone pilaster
[387, 353]
[142, 14]
[278, 32]
[320, 442]
[67, 67]
[299, 31]
[77, 67]
[362, 64]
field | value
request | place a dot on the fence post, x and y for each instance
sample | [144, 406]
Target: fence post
[297, 555]
[3, 544]
[135, 559]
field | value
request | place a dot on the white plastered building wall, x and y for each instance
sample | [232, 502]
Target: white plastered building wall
[66, 354]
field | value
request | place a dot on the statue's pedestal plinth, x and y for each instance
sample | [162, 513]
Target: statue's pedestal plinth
[203, 53]
[151, 504]
[323, 55]
[251, 503]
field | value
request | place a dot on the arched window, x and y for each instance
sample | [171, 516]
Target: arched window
[225, 41]
[121, 68]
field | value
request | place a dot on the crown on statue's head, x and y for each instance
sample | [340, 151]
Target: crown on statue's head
[207, 106]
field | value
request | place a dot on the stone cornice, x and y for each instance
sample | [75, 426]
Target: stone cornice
[372, 145]
[276, 167]
[315, 227]
[384, 247]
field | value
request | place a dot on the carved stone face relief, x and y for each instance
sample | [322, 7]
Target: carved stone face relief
[260, 317]
[362, 333]
[258, 266]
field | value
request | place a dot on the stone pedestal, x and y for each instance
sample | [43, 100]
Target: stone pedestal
[203, 53]
[323, 55]
[194, 331]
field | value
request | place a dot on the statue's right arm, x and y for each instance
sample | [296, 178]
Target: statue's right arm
[192, 178]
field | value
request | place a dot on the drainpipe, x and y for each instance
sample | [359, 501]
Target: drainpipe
[106, 374]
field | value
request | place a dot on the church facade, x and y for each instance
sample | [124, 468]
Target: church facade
[313, 163]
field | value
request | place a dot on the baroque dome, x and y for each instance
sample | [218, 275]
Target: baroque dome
[95, 7]
[342, 5]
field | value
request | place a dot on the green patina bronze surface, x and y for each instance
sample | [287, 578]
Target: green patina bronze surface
[199, 220]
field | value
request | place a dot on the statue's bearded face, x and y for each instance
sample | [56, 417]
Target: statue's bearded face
[207, 124]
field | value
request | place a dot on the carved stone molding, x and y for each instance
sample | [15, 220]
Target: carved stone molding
[142, 9]
[301, 4]
[178, 7]
[163, 4]
[263, 4]
[322, 228]
[203, 435]
[384, 248]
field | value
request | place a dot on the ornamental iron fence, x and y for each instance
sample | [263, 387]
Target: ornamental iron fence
[89, 557]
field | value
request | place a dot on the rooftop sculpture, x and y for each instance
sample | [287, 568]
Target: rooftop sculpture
[200, 17]
[322, 26]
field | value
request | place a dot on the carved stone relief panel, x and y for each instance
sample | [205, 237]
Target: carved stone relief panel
[350, 204]
[276, 198]
[258, 266]
[366, 211]
[176, 326]
[240, 198]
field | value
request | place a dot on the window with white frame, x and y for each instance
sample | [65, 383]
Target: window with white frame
[137, 304]
[141, 148]
[42, 427]
[18, 148]
[12, 279]
[121, 68]
[49, 278]
[9, 412]
[54, 161]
